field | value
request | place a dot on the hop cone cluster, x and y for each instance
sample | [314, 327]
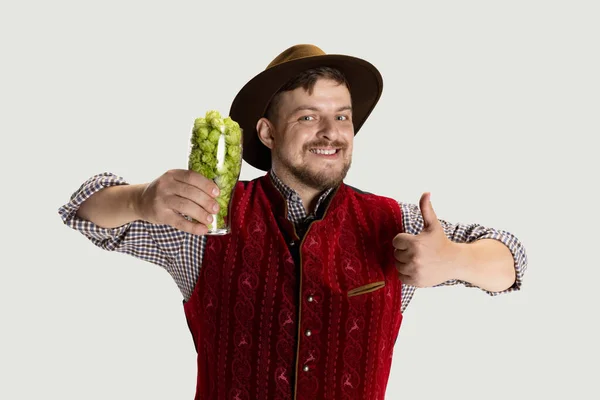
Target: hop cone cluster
[216, 153]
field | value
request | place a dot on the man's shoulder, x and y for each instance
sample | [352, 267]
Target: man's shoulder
[357, 190]
[369, 196]
[365, 193]
[382, 210]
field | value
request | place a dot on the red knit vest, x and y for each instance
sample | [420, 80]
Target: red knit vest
[275, 317]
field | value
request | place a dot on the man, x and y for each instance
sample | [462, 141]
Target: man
[305, 297]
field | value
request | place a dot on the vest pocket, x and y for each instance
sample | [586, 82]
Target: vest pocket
[368, 288]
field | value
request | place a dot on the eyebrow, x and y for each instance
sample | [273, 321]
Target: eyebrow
[312, 108]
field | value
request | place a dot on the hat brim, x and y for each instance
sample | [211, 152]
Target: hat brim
[250, 104]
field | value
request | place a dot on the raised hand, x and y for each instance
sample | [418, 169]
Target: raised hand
[176, 192]
[429, 258]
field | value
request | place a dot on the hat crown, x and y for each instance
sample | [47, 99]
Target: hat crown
[296, 52]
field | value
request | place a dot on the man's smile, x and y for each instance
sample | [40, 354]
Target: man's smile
[326, 152]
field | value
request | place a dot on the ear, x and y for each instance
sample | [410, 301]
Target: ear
[265, 130]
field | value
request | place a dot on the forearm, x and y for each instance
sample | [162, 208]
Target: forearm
[486, 263]
[113, 206]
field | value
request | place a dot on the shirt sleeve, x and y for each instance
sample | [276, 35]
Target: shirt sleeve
[464, 233]
[158, 244]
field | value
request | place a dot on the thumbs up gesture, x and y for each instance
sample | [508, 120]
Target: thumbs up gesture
[429, 258]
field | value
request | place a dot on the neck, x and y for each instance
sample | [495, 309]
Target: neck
[308, 194]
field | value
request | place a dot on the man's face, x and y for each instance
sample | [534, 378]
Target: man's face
[314, 134]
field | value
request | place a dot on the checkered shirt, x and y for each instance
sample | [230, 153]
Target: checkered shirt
[297, 213]
[180, 253]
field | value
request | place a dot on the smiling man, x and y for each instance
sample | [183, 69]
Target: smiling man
[310, 133]
[305, 297]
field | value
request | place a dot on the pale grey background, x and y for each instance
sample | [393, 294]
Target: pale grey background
[491, 106]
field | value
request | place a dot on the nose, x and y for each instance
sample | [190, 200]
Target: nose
[328, 129]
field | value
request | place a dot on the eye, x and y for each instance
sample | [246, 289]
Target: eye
[306, 118]
[342, 118]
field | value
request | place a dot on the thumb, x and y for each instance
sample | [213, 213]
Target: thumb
[430, 219]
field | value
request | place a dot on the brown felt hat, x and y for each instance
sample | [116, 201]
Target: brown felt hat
[250, 104]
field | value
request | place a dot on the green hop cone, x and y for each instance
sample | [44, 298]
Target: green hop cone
[234, 152]
[207, 147]
[213, 136]
[202, 134]
[212, 114]
[200, 123]
[215, 120]
[209, 159]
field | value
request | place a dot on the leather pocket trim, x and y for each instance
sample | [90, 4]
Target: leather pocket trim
[368, 288]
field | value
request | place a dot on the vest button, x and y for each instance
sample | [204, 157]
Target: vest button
[308, 332]
[305, 368]
[310, 299]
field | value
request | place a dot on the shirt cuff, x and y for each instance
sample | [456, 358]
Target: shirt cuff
[68, 211]
[519, 257]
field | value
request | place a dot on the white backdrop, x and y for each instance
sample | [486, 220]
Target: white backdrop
[491, 106]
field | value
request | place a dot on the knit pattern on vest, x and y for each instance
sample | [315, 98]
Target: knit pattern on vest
[314, 320]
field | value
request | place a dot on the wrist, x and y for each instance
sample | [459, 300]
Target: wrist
[134, 203]
[463, 261]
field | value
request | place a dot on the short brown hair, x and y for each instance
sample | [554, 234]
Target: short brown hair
[306, 80]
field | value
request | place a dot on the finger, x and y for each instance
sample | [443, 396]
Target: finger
[430, 219]
[181, 223]
[405, 268]
[402, 256]
[198, 196]
[406, 279]
[198, 180]
[189, 208]
[403, 241]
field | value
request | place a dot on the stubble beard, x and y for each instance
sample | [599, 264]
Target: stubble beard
[321, 179]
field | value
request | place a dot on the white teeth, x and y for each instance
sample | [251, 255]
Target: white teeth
[325, 152]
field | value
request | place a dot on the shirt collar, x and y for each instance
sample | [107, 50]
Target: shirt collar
[290, 194]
